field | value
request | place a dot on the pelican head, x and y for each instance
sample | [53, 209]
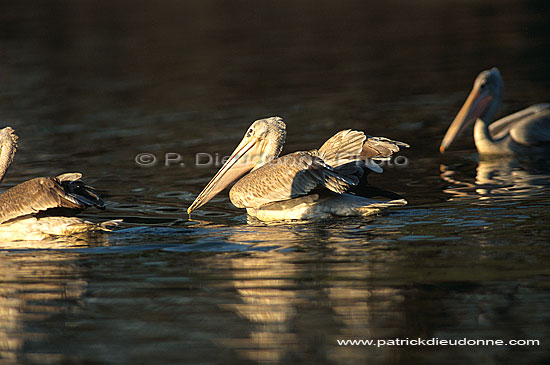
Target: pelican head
[8, 145]
[261, 144]
[482, 103]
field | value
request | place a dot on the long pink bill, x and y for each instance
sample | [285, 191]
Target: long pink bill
[239, 163]
[475, 106]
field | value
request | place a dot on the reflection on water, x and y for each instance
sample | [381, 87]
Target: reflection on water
[89, 85]
[84, 240]
[500, 177]
[34, 289]
[267, 303]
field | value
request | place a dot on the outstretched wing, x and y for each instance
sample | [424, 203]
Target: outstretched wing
[285, 178]
[343, 147]
[44, 193]
[351, 146]
[380, 147]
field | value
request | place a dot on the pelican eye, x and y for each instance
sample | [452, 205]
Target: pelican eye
[250, 132]
[483, 84]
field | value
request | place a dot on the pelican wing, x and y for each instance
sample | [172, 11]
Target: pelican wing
[534, 129]
[503, 126]
[380, 147]
[288, 177]
[347, 147]
[344, 146]
[65, 192]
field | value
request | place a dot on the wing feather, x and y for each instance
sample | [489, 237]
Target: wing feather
[43, 193]
[344, 146]
[380, 147]
[287, 177]
[503, 126]
[349, 146]
[337, 166]
[532, 130]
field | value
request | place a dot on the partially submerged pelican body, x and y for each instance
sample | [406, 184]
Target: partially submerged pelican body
[44, 206]
[524, 132]
[329, 181]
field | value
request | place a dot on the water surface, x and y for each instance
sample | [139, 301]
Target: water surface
[88, 86]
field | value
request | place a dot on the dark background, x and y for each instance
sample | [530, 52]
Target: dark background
[88, 85]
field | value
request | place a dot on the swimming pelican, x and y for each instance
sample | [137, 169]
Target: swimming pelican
[330, 181]
[526, 131]
[44, 206]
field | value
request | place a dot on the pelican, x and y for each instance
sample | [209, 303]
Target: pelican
[329, 181]
[44, 206]
[526, 131]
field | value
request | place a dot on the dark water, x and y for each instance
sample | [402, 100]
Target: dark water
[89, 85]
